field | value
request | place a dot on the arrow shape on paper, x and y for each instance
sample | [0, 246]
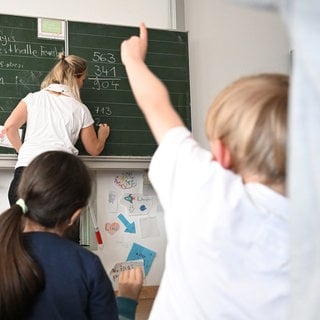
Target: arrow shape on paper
[130, 227]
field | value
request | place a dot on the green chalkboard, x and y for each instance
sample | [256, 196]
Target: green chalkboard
[24, 61]
[107, 92]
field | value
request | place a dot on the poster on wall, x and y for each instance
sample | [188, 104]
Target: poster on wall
[130, 221]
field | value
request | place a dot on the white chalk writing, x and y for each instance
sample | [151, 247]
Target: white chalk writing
[4, 39]
[105, 73]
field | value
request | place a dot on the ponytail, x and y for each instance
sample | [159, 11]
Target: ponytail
[66, 71]
[49, 194]
[21, 278]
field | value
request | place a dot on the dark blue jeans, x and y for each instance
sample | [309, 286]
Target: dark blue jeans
[12, 193]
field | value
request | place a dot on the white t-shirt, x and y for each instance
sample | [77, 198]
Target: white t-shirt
[227, 250]
[53, 122]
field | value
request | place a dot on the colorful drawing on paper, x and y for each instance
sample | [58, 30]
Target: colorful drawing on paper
[137, 204]
[126, 180]
[139, 252]
[112, 227]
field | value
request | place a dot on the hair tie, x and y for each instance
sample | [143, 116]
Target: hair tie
[20, 202]
[61, 56]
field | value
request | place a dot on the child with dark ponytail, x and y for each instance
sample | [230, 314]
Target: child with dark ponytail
[42, 274]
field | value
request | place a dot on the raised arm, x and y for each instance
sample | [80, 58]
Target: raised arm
[150, 93]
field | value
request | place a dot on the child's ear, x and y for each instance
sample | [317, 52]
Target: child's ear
[221, 153]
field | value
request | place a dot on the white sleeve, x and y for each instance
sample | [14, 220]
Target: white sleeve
[87, 117]
[177, 161]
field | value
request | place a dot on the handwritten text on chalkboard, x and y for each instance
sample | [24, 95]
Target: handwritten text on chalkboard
[24, 61]
[105, 73]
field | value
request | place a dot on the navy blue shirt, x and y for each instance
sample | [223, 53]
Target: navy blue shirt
[76, 284]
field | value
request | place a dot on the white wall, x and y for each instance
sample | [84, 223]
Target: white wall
[155, 13]
[225, 42]
[5, 179]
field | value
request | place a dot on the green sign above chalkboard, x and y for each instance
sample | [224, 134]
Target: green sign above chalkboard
[25, 59]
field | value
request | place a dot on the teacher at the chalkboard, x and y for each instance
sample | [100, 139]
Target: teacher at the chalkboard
[55, 118]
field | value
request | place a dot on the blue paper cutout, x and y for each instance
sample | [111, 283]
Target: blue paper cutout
[139, 252]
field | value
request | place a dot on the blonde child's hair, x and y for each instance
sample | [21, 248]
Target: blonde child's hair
[250, 118]
[66, 71]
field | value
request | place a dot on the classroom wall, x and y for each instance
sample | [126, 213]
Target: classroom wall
[225, 42]
[156, 13]
[5, 178]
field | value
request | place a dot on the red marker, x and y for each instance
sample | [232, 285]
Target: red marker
[96, 230]
[98, 236]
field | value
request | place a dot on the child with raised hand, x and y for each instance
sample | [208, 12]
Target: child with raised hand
[225, 209]
[55, 117]
[42, 274]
